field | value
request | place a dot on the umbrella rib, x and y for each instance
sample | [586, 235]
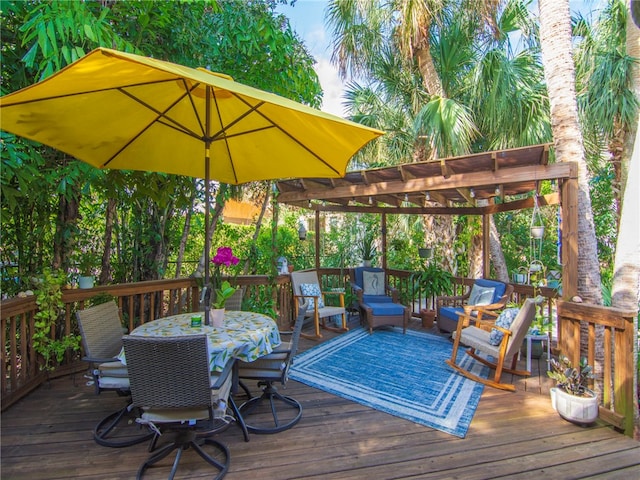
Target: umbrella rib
[282, 130]
[160, 115]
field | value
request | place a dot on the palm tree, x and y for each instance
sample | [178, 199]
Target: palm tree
[555, 43]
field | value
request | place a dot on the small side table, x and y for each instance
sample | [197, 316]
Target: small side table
[543, 337]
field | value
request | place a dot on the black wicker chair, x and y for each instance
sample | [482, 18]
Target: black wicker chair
[101, 332]
[272, 412]
[172, 385]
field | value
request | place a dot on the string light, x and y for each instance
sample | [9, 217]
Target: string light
[472, 194]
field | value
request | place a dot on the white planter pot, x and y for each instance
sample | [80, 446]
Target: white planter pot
[85, 282]
[579, 410]
[537, 232]
[217, 317]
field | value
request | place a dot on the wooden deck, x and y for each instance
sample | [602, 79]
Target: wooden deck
[48, 435]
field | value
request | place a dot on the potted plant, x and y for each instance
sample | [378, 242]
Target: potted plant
[432, 282]
[367, 249]
[87, 264]
[222, 289]
[571, 397]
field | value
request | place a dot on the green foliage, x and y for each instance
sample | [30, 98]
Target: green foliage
[223, 293]
[432, 281]
[573, 380]
[49, 300]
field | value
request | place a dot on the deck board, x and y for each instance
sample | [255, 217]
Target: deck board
[48, 435]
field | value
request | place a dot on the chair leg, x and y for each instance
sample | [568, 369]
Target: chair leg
[271, 396]
[185, 440]
[239, 417]
[119, 429]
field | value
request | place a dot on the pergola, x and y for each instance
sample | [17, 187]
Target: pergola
[478, 184]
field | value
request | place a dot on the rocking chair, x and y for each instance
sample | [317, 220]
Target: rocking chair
[500, 339]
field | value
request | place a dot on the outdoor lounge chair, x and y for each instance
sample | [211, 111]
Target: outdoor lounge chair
[491, 294]
[174, 389]
[307, 293]
[378, 303]
[282, 412]
[484, 337]
[101, 332]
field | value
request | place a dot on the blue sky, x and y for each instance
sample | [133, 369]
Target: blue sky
[307, 19]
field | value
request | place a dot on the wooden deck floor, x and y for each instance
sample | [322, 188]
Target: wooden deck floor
[513, 435]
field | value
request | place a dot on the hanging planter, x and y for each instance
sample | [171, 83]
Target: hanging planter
[537, 232]
[425, 252]
[537, 225]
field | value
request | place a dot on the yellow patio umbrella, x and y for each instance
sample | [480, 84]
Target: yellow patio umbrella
[123, 111]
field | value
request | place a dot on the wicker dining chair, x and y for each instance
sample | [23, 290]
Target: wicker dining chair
[272, 412]
[101, 332]
[172, 385]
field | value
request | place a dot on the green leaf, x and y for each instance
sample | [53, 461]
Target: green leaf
[89, 33]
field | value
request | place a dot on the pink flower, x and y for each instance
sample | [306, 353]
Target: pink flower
[225, 256]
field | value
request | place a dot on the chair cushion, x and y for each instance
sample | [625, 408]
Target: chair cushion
[358, 271]
[373, 283]
[478, 338]
[376, 299]
[504, 320]
[386, 308]
[481, 295]
[500, 287]
[312, 289]
[451, 312]
[113, 383]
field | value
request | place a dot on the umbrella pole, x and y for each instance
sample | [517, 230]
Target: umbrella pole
[207, 240]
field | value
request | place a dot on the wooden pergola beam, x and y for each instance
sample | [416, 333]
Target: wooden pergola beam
[431, 184]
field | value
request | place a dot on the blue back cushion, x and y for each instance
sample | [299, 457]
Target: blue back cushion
[499, 287]
[359, 270]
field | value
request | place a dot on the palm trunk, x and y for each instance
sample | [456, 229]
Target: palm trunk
[555, 42]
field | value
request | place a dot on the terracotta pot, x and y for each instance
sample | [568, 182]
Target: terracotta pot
[428, 317]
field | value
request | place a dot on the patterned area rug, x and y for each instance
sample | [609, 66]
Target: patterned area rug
[404, 375]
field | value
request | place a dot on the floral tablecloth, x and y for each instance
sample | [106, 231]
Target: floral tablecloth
[245, 335]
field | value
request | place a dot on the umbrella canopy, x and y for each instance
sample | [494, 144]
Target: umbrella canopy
[123, 111]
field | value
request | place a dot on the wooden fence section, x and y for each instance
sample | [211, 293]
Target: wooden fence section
[611, 331]
[20, 366]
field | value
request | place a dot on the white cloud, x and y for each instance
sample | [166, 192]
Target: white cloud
[332, 86]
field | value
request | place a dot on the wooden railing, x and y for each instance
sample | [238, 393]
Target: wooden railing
[611, 332]
[21, 368]
[401, 279]
[139, 303]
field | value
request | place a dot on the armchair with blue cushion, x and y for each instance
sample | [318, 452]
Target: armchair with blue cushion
[491, 294]
[378, 302]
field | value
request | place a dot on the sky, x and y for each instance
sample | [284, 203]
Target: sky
[307, 19]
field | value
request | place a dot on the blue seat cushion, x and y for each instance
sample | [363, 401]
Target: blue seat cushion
[376, 299]
[386, 308]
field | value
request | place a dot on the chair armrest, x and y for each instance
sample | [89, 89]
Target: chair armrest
[395, 295]
[451, 300]
[340, 296]
[358, 291]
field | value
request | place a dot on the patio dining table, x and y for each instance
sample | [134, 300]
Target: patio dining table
[244, 336]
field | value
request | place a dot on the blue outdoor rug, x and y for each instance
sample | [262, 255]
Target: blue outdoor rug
[404, 375]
